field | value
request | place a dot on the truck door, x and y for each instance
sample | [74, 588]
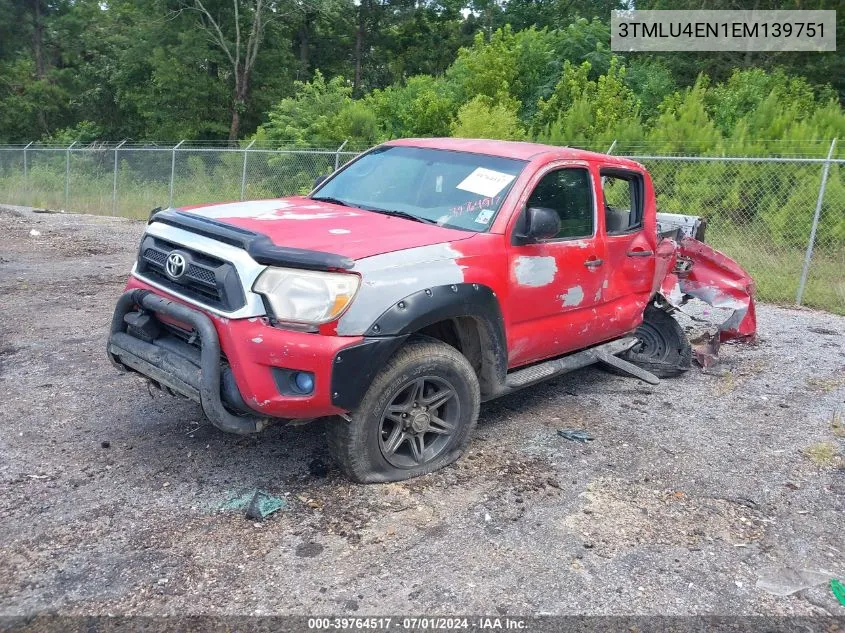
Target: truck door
[631, 241]
[556, 285]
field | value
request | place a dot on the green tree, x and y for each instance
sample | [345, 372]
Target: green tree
[586, 112]
[321, 114]
[556, 14]
[483, 117]
[422, 106]
[684, 126]
[240, 36]
[487, 68]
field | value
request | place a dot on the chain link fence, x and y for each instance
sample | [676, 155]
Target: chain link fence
[782, 218]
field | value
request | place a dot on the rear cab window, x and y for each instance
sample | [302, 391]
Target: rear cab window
[624, 195]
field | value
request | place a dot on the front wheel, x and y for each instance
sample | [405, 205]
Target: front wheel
[416, 417]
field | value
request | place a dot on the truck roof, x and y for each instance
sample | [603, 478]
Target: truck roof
[507, 149]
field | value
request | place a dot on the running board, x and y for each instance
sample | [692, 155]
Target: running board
[605, 353]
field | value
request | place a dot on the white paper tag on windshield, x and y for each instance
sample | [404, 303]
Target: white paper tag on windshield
[485, 182]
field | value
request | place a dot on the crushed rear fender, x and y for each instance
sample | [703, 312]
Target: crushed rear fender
[706, 274]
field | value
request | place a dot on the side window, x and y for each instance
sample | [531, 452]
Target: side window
[623, 201]
[570, 193]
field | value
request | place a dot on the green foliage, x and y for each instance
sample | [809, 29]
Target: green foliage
[541, 70]
[487, 68]
[684, 125]
[483, 117]
[526, 65]
[819, 69]
[150, 70]
[585, 41]
[556, 13]
[359, 123]
[583, 111]
[574, 84]
[746, 91]
[422, 106]
[312, 116]
[82, 133]
[652, 82]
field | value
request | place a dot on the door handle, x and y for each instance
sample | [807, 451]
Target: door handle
[640, 253]
[595, 262]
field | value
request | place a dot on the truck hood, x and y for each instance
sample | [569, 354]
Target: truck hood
[300, 222]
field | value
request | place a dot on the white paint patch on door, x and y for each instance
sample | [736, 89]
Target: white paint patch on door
[535, 272]
[573, 297]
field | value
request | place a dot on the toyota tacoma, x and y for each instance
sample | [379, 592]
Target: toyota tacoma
[422, 278]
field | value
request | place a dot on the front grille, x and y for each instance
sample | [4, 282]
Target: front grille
[203, 275]
[155, 256]
[208, 280]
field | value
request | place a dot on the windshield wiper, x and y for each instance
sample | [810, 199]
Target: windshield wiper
[400, 214]
[332, 200]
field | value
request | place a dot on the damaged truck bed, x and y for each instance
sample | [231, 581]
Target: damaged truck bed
[700, 271]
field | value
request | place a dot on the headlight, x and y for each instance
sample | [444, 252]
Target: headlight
[305, 296]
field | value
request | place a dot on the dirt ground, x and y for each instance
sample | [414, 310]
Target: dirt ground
[117, 500]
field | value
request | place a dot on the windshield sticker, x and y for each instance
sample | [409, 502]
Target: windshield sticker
[484, 216]
[485, 182]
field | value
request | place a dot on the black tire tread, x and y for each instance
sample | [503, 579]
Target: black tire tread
[345, 437]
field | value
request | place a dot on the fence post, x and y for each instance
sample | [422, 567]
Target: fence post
[809, 256]
[114, 182]
[26, 172]
[173, 170]
[243, 175]
[337, 154]
[610, 149]
[67, 175]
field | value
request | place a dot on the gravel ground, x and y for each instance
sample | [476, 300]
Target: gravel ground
[117, 500]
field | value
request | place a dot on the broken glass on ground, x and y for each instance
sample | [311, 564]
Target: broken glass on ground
[257, 504]
[784, 581]
[575, 435]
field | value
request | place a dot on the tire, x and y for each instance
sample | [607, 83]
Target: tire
[370, 449]
[663, 347]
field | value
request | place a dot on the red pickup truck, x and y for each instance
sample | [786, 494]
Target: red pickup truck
[421, 279]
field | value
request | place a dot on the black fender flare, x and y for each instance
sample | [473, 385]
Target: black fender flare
[355, 367]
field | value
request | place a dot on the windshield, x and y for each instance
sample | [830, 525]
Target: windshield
[452, 189]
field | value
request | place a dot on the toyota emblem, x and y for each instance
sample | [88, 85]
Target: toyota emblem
[176, 265]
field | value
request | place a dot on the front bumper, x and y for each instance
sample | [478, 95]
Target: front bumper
[172, 365]
[233, 366]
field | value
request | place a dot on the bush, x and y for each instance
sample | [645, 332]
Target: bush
[484, 118]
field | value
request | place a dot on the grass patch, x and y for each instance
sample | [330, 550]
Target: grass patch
[777, 269]
[823, 454]
[825, 385]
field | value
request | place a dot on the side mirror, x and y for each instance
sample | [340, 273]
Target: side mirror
[319, 180]
[538, 223]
